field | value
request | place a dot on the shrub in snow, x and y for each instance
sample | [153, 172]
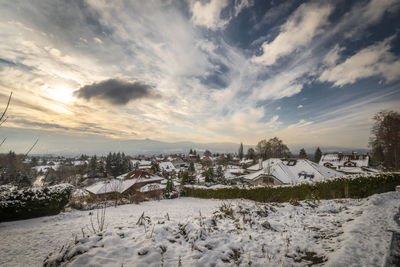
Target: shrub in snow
[354, 187]
[33, 202]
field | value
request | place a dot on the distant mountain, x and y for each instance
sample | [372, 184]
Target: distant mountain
[51, 142]
[326, 149]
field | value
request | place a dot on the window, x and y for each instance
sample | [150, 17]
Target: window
[306, 176]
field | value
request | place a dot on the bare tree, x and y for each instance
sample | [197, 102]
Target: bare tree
[385, 139]
[13, 166]
[3, 116]
[273, 148]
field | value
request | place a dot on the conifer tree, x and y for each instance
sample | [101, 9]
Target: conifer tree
[191, 167]
[93, 167]
[220, 175]
[168, 188]
[317, 155]
[241, 151]
[302, 154]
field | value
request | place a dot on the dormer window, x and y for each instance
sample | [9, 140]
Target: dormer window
[305, 176]
[328, 165]
[350, 164]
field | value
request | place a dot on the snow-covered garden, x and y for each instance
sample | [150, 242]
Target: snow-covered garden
[206, 232]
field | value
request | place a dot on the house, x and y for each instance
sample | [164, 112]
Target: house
[141, 164]
[130, 183]
[276, 171]
[347, 163]
[167, 166]
[192, 157]
[108, 188]
[179, 163]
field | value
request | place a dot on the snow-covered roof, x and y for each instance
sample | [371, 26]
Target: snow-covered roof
[229, 176]
[166, 166]
[353, 170]
[152, 187]
[141, 162]
[79, 162]
[142, 176]
[110, 186]
[123, 182]
[338, 159]
[44, 168]
[293, 171]
[246, 161]
[265, 163]
[235, 170]
[153, 178]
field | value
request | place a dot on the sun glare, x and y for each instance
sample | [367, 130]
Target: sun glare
[60, 94]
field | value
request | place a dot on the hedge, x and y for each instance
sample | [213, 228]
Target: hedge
[358, 187]
[33, 202]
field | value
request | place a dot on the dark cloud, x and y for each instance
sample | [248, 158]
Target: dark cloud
[116, 92]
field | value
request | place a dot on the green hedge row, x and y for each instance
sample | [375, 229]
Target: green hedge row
[33, 202]
[358, 187]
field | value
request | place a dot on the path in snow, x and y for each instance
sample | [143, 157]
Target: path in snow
[28, 242]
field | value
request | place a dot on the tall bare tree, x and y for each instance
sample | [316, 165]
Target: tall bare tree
[385, 139]
[273, 148]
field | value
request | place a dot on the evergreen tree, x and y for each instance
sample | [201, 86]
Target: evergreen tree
[207, 177]
[241, 151]
[317, 155]
[168, 188]
[220, 175]
[190, 152]
[109, 163]
[92, 168]
[155, 167]
[207, 153]
[302, 154]
[185, 178]
[191, 168]
[210, 172]
[172, 175]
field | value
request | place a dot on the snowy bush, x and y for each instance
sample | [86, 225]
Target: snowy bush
[355, 187]
[33, 202]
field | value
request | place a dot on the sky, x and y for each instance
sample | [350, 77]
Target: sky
[309, 72]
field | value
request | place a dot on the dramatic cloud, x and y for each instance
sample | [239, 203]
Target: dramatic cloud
[209, 14]
[233, 71]
[298, 31]
[116, 92]
[375, 60]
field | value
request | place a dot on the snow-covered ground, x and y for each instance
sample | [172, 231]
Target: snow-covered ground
[202, 232]
[28, 242]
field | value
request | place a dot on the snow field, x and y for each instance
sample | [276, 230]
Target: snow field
[204, 232]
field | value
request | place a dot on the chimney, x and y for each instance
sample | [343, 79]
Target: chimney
[260, 165]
